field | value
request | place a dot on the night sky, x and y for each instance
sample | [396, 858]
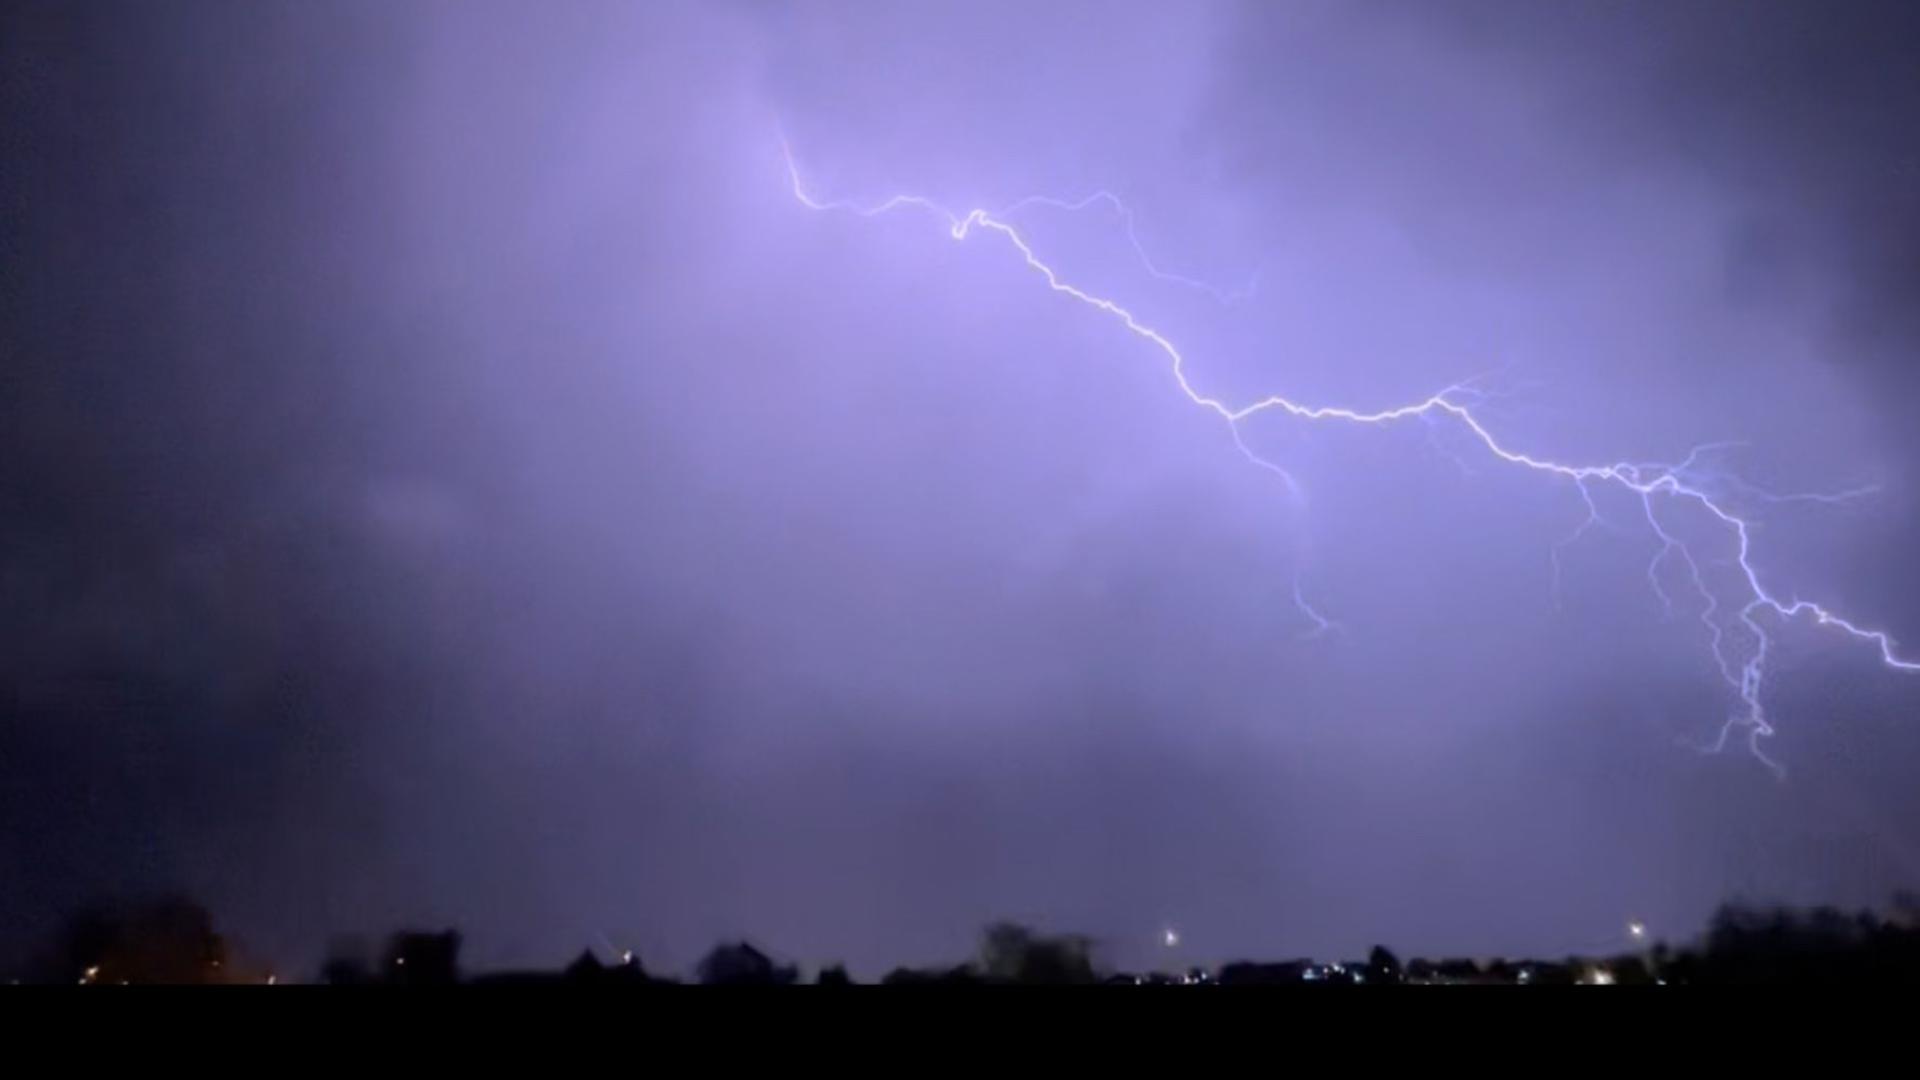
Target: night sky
[448, 478]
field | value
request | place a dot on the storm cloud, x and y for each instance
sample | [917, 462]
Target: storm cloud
[450, 479]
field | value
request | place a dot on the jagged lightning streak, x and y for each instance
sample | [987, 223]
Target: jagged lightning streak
[1125, 214]
[1679, 483]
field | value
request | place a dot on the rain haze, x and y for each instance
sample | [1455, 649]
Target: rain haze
[453, 477]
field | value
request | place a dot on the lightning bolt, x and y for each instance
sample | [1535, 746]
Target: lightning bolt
[1658, 487]
[1125, 214]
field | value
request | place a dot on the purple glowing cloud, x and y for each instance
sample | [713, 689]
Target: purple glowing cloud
[1679, 482]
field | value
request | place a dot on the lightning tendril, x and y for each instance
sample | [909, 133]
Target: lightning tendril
[1656, 486]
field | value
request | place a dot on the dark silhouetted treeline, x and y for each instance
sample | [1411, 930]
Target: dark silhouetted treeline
[173, 941]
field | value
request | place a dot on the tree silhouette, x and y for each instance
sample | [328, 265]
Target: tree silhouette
[741, 964]
[415, 958]
[1383, 966]
[1012, 953]
[347, 963]
[165, 941]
